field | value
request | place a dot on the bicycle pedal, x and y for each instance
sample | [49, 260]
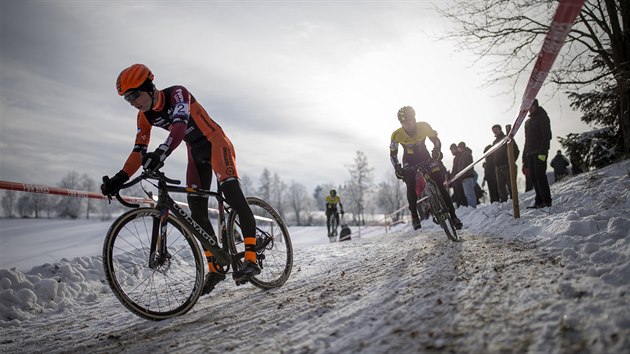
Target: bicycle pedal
[241, 282]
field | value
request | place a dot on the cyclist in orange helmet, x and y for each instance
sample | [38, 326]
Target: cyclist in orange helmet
[175, 109]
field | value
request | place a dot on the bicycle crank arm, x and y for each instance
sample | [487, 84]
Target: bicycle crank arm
[222, 257]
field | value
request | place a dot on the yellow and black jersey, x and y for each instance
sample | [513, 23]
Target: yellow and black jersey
[414, 147]
[331, 202]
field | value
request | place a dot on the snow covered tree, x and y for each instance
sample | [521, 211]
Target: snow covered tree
[278, 191]
[264, 185]
[358, 187]
[391, 196]
[70, 206]
[247, 185]
[88, 184]
[594, 149]
[25, 205]
[298, 199]
[9, 199]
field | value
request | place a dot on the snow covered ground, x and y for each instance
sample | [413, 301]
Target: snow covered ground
[556, 280]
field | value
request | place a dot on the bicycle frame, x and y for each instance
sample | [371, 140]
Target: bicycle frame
[166, 204]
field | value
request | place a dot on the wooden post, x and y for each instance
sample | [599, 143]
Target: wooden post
[512, 164]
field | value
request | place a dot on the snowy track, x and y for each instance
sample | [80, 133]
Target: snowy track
[548, 282]
[405, 292]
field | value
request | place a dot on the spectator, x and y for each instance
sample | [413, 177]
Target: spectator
[501, 161]
[537, 141]
[468, 178]
[577, 166]
[458, 191]
[560, 164]
[490, 176]
[529, 185]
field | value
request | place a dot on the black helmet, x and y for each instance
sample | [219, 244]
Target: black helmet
[406, 113]
[333, 192]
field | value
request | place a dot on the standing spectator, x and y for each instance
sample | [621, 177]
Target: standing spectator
[529, 185]
[502, 164]
[576, 164]
[537, 141]
[490, 176]
[559, 164]
[468, 178]
[458, 191]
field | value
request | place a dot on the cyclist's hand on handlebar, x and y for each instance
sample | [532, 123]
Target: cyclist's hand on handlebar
[399, 171]
[436, 154]
[154, 160]
[111, 186]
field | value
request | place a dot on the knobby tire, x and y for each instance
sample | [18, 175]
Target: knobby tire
[440, 211]
[157, 293]
[277, 257]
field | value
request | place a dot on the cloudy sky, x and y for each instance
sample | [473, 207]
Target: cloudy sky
[299, 86]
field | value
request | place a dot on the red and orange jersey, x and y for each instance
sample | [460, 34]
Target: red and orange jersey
[177, 111]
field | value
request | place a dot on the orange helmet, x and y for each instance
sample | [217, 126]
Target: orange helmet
[132, 78]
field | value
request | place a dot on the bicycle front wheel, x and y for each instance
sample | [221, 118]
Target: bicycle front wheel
[152, 286]
[440, 212]
[273, 244]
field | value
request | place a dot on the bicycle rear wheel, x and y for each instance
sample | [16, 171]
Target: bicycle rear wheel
[273, 244]
[168, 288]
[440, 211]
[333, 228]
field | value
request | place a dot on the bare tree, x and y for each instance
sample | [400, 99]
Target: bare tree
[247, 185]
[39, 203]
[358, 187]
[25, 205]
[391, 196]
[298, 199]
[278, 190]
[8, 202]
[88, 184]
[509, 33]
[70, 206]
[264, 185]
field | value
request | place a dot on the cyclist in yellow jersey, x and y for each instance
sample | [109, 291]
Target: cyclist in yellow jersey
[412, 136]
[331, 211]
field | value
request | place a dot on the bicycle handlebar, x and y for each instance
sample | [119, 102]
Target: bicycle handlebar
[425, 165]
[146, 174]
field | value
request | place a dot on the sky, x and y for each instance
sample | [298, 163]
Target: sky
[555, 280]
[298, 86]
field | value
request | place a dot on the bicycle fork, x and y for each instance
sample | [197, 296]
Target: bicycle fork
[159, 255]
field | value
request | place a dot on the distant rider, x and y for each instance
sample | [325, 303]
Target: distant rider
[411, 136]
[332, 200]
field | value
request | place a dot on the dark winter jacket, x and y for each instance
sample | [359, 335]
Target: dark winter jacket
[465, 158]
[560, 164]
[501, 155]
[537, 133]
[455, 168]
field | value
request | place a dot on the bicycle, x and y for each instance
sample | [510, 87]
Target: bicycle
[436, 206]
[153, 262]
[332, 226]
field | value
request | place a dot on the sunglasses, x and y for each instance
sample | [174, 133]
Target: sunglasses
[132, 96]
